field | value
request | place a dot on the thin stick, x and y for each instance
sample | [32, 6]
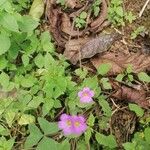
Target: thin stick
[142, 10]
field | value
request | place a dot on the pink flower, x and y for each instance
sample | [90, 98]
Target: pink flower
[86, 95]
[65, 124]
[79, 125]
[72, 124]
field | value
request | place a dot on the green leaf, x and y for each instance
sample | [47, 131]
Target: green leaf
[129, 69]
[4, 43]
[47, 127]
[9, 21]
[28, 81]
[3, 62]
[39, 60]
[146, 134]
[27, 24]
[144, 77]
[129, 146]
[83, 15]
[46, 43]
[26, 119]
[6, 144]
[88, 135]
[91, 120]
[65, 145]
[46, 144]
[82, 73]
[137, 109]
[9, 116]
[25, 59]
[106, 83]
[105, 106]
[48, 105]
[4, 80]
[120, 77]
[108, 141]
[37, 9]
[119, 11]
[34, 137]
[103, 69]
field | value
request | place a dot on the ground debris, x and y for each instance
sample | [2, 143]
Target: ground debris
[87, 48]
[120, 61]
[130, 94]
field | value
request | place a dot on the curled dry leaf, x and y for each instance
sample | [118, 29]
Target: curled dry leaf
[119, 62]
[67, 27]
[71, 3]
[131, 95]
[96, 23]
[87, 48]
[62, 21]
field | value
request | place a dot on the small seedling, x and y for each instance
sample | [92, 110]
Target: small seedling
[80, 21]
[96, 7]
[137, 31]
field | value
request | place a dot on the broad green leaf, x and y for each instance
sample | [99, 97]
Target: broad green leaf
[137, 109]
[91, 120]
[9, 116]
[81, 145]
[47, 143]
[35, 102]
[25, 59]
[9, 21]
[34, 136]
[47, 127]
[103, 69]
[105, 106]
[28, 24]
[83, 15]
[37, 9]
[144, 77]
[108, 141]
[2, 2]
[120, 77]
[81, 72]
[26, 119]
[106, 84]
[46, 43]
[88, 135]
[129, 146]
[6, 144]
[4, 80]
[28, 81]
[129, 69]
[47, 106]
[65, 145]
[146, 134]
[3, 62]
[39, 60]
[4, 43]
[3, 131]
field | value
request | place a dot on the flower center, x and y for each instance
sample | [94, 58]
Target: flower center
[85, 94]
[77, 123]
[68, 122]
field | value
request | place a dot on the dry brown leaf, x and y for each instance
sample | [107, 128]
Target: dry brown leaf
[72, 48]
[103, 15]
[119, 61]
[131, 95]
[87, 48]
[71, 3]
[67, 27]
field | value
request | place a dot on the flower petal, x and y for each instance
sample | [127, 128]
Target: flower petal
[80, 94]
[64, 117]
[86, 99]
